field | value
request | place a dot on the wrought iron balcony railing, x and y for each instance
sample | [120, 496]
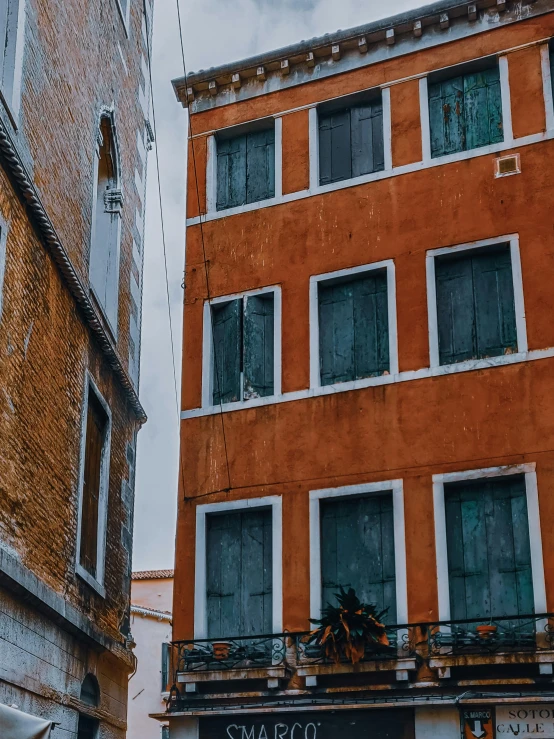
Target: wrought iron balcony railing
[230, 653]
[527, 633]
[400, 645]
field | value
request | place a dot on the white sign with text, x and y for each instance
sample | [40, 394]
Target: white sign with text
[525, 722]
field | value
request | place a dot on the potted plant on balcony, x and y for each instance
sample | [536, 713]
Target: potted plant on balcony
[349, 629]
[221, 649]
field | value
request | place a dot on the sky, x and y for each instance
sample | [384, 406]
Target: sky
[215, 32]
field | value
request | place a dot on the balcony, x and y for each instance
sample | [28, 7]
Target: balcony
[462, 652]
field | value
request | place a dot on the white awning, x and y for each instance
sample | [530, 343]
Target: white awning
[15, 724]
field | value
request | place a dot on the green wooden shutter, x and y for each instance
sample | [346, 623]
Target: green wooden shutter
[239, 573]
[259, 362]
[465, 112]
[357, 550]
[483, 108]
[336, 333]
[334, 147]
[455, 309]
[231, 172]
[489, 555]
[371, 326]
[368, 151]
[260, 165]
[165, 665]
[551, 53]
[353, 329]
[446, 117]
[227, 351]
[495, 318]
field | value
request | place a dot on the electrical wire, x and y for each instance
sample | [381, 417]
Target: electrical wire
[205, 261]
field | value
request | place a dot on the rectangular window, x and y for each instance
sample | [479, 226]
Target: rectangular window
[165, 732]
[166, 656]
[9, 22]
[465, 112]
[357, 550]
[95, 477]
[239, 584]
[551, 56]
[489, 554]
[244, 348]
[475, 304]
[245, 168]
[351, 142]
[353, 327]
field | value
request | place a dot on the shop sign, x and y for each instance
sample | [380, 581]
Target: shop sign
[377, 724]
[477, 723]
[525, 722]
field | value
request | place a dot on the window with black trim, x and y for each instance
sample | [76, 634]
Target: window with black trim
[465, 108]
[246, 166]
[351, 141]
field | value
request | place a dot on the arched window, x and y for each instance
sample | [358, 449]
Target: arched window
[90, 691]
[106, 228]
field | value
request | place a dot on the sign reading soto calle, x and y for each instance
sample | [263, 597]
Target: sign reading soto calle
[525, 722]
[377, 724]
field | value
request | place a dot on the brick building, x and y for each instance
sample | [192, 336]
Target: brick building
[367, 381]
[74, 135]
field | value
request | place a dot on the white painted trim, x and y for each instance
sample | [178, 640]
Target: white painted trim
[313, 133]
[211, 174]
[547, 87]
[4, 228]
[388, 264]
[470, 365]
[200, 605]
[17, 63]
[506, 100]
[425, 123]
[95, 582]
[124, 15]
[387, 127]
[316, 496]
[208, 347]
[535, 534]
[375, 176]
[278, 158]
[521, 329]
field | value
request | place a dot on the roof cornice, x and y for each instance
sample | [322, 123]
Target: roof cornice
[363, 45]
[19, 174]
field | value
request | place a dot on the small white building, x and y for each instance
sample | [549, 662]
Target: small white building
[151, 604]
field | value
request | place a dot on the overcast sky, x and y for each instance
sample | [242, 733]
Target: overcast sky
[215, 32]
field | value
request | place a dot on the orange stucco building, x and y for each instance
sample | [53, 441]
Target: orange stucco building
[367, 379]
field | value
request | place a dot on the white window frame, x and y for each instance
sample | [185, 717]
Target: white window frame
[373, 488]
[313, 123]
[208, 349]
[533, 516]
[97, 583]
[519, 306]
[4, 228]
[14, 54]
[547, 87]
[315, 373]
[457, 156]
[211, 172]
[200, 596]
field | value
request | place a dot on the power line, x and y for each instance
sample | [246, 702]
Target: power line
[205, 261]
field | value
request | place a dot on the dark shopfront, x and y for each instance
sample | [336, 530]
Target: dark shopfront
[374, 724]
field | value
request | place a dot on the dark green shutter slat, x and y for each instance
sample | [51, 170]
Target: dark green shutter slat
[336, 331]
[256, 573]
[489, 555]
[357, 550]
[260, 165]
[455, 311]
[259, 346]
[335, 147]
[367, 139]
[465, 112]
[227, 351]
[371, 331]
[231, 172]
[165, 666]
[494, 303]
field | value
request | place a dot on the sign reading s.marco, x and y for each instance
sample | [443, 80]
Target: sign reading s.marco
[477, 723]
[525, 722]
